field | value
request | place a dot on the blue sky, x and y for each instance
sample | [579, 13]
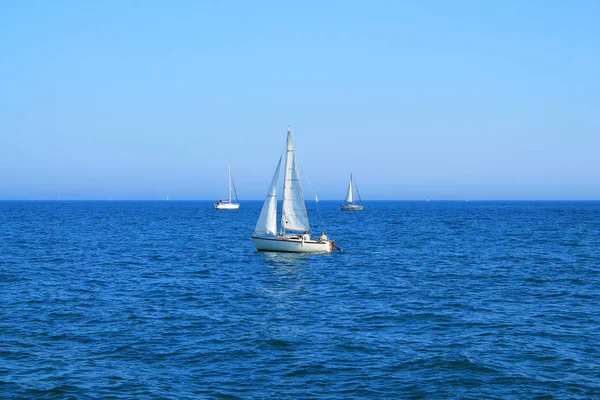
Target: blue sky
[438, 99]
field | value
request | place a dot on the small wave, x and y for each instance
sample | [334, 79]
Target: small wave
[277, 343]
[457, 363]
[307, 370]
[227, 396]
[59, 390]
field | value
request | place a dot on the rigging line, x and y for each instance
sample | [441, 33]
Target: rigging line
[306, 175]
[312, 191]
[235, 191]
[356, 187]
[319, 212]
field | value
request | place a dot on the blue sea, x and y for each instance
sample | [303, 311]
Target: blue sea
[169, 299]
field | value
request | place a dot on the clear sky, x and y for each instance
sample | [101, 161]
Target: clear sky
[438, 99]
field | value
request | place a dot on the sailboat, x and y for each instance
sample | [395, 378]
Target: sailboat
[349, 203]
[294, 233]
[228, 204]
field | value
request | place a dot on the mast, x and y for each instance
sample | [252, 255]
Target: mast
[289, 148]
[357, 193]
[293, 211]
[229, 182]
[351, 189]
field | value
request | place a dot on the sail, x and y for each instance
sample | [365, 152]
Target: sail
[350, 194]
[267, 221]
[293, 214]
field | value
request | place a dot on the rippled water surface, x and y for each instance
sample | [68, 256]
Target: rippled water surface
[428, 300]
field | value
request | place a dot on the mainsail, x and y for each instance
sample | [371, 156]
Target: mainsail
[350, 194]
[267, 221]
[293, 213]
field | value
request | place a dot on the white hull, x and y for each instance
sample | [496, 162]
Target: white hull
[351, 207]
[227, 206]
[293, 245]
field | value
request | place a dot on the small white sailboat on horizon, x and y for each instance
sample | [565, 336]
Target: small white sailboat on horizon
[294, 233]
[349, 203]
[228, 204]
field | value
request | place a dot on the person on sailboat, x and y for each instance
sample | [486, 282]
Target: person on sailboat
[305, 236]
[323, 237]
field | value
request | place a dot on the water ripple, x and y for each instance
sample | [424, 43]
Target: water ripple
[429, 300]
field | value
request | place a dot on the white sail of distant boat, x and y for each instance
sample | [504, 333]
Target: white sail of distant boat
[229, 204]
[350, 203]
[294, 231]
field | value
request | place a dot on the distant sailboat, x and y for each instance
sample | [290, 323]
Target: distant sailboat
[294, 233]
[228, 204]
[349, 203]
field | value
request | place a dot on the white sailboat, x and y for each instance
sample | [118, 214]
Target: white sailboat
[228, 204]
[294, 232]
[349, 203]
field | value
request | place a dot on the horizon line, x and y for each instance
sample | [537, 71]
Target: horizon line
[310, 200]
